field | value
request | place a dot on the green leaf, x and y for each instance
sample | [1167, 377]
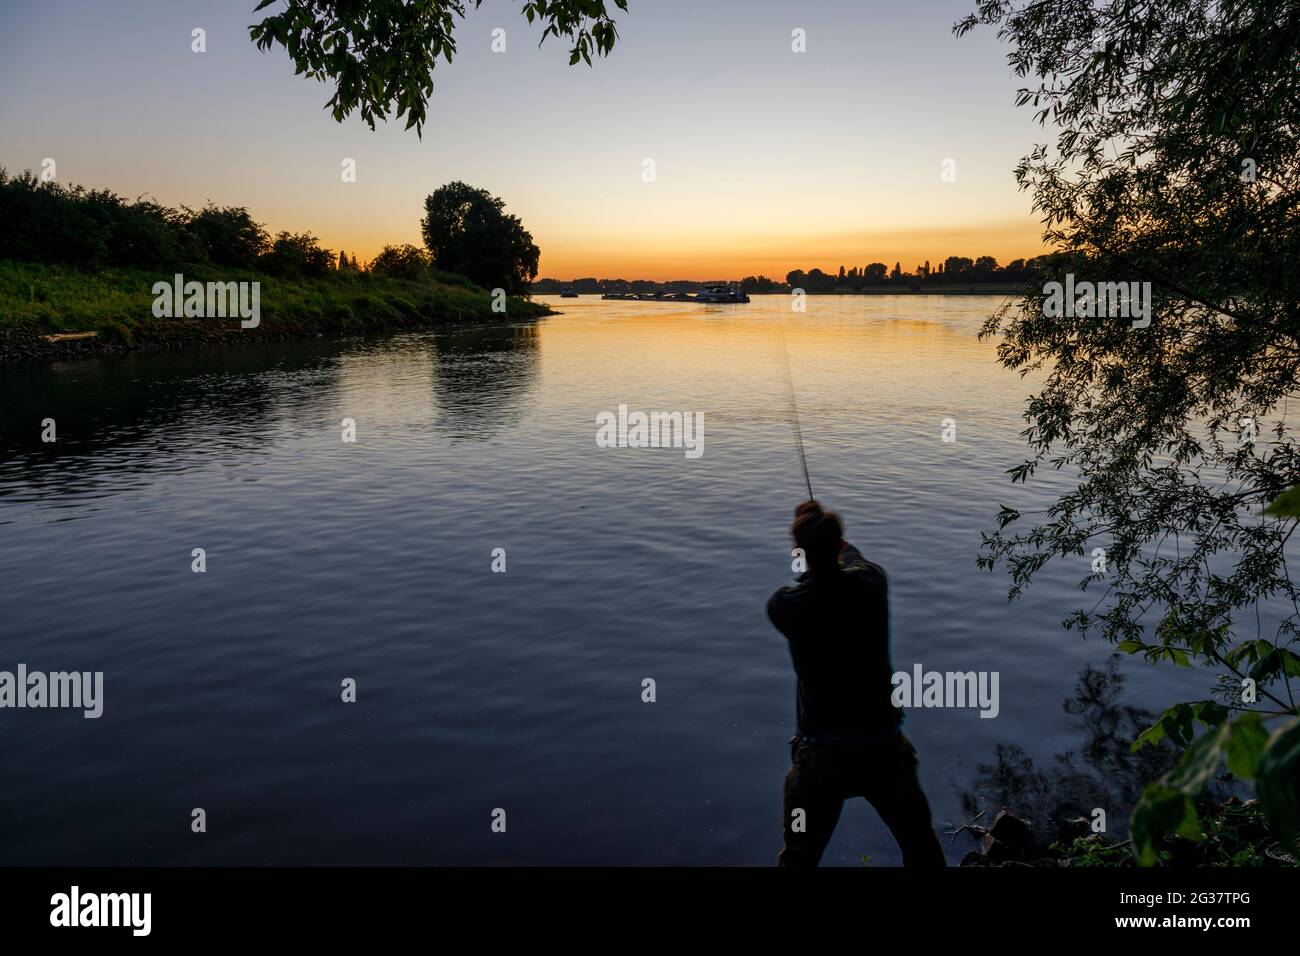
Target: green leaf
[1200, 763]
[1167, 804]
[1290, 662]
[1159, 812]
[1245, 744]
[1209, 712]
[1278, 783]
[1152, 735]
[1285, 505]
[1175, 723]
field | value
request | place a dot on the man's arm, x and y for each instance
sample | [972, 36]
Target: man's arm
[775, 609]
[851, 557]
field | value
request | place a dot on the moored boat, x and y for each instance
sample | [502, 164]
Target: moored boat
[721, 294]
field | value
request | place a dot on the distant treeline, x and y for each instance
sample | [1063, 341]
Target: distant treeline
[953, 271]
[49, 223]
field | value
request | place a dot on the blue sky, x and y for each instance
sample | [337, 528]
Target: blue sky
[765, 159]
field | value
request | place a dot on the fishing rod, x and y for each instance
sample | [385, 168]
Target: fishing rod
[794, 410]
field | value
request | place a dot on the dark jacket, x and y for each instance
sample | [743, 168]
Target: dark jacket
[837, 625]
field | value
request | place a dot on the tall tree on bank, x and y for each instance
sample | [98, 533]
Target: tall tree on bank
[1175, 162]
[381, 54]
[468, 231]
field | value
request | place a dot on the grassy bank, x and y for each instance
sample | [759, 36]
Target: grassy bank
[42, 308]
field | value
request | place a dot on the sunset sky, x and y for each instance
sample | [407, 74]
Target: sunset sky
[765, 159]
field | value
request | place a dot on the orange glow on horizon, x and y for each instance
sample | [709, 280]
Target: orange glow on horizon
[609, 255]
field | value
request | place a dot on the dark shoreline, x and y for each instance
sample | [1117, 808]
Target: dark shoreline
[200, 335]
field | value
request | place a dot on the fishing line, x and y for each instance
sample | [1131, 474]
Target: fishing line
[794, 411]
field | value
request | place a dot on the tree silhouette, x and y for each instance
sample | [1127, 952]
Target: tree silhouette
[466, 230]
[401, 262]
[1176, 164]
[381, 53]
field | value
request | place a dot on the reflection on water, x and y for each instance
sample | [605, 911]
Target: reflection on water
[372, 560]
[119, 418]
[1100, 770]
[124, 415]
[482, 378]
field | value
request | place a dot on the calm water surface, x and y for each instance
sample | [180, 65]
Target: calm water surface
[522, 690]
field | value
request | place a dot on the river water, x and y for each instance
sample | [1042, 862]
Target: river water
[521, 691]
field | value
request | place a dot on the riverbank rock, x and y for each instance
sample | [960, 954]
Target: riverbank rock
[1010, 838]
[1008, 842]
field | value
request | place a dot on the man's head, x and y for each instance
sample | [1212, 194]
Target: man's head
[819, 533]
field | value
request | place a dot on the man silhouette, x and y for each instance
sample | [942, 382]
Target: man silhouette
[848, 740]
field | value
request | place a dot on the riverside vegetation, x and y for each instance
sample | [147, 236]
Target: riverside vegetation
[78, 267]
